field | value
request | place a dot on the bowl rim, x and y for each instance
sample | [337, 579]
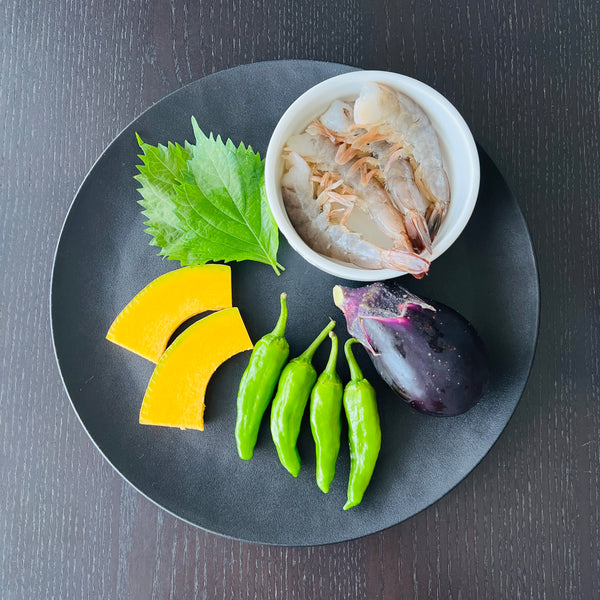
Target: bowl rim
[323, 93]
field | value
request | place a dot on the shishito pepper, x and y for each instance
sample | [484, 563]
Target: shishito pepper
[326, 418]
[258, 383]
[364, 430]
[293, 390]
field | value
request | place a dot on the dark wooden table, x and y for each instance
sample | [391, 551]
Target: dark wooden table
[526, 77]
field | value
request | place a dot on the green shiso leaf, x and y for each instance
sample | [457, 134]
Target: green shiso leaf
[206, 202]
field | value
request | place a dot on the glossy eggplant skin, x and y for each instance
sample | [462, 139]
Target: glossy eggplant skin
[429, 354]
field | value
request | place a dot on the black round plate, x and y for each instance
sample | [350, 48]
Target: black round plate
[103, 259]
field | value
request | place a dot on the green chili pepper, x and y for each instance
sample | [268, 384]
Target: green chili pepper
[326, 417]
[295, 384]
[364, 430]
[258, 383]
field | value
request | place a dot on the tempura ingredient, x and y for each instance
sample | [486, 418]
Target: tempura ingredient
[425, 351]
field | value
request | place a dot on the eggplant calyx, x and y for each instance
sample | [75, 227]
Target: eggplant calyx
[415, 301]
[367, 343]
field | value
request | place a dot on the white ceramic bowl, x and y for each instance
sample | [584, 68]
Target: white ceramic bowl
[458, 150]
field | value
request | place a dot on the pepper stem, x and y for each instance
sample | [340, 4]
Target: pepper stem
[355, 372]
[279, 330]
[308, 354]
[331, 363]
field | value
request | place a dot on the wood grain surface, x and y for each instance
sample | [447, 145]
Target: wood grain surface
[526, 77]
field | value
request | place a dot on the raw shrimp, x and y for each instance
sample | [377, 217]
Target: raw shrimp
[314, 225]
[337, 124]
[396, 115]
[405, 194]
[370, 196]
[339, 116]
[388, 164]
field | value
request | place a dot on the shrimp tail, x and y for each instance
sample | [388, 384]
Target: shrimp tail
[403, 260]
[435, 215]
[417, 229]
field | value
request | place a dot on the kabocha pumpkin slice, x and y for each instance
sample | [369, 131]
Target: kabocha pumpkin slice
[147, 323]
[175, 394]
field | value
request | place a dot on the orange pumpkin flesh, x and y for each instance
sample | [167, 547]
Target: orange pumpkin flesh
[175, 394]
[147, 323]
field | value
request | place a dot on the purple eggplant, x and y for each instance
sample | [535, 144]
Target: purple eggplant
[425, 351]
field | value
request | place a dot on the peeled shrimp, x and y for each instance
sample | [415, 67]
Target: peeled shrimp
[315, 226]
[403, 121]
